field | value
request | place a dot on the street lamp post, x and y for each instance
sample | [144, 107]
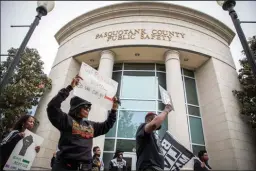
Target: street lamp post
[43, 7]
[229, 5]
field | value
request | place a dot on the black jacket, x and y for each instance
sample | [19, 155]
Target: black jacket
[76, 135]
[116, 165]
[7, 146]
[197, 166]
[52, 161]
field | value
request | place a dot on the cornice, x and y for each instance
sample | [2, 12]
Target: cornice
[145, 9]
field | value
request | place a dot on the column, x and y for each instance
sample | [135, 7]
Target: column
[106, 63]
[97, 114]
[177, 120]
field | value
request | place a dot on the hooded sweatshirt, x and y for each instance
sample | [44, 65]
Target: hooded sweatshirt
[76, 135]
[117, 164]
[7, 145]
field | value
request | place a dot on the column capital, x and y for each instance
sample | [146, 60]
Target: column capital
[107, 52]
[172, 54]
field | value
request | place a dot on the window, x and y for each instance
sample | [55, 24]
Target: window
[128, 123]
[196, 130]
[139, 85]
[138, 92]
[193, 112]
[191, 91]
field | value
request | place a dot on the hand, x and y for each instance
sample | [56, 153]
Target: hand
[37, 148]
[168, 108]
[116, 103]
[76, 80]
[202, 164]
[21, 134]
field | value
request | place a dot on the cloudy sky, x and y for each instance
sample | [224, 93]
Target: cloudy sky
[23, 13]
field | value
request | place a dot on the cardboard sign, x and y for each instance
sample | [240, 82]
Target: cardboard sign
[24, 152]
[166, 97]
[95, 88]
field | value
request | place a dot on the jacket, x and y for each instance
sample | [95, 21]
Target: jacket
[197, 166]
[97, 164]
[115, 165]
[76, 135]
[7, 146]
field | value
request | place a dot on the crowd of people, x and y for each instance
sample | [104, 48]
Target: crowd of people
[76, 137]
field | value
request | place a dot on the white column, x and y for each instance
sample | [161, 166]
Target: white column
[177, 120]
[106, 63]
[97, 114]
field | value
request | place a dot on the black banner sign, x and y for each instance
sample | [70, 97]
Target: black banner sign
[175, 154]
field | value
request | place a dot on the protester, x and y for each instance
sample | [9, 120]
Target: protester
[203, 165]
[148, 148]
[76, 136]
[53, 159]
[97, 163]
[10, 141]
[118, 163]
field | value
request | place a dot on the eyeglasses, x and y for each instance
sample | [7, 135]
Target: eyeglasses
[87, 107]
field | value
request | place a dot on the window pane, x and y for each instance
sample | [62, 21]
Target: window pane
[118, 67]
[106, 159]
[197, 148]
[161, 106]
[112, 131]
[117, 77]
[126, 145]
[161, 80]
[139, 66]
[163, 129]
[196, 130]
[140, 85]
[160, 67]
[128, 123]
[138, 105]
[192, 110]
[109, 145]
[188, 73]
[191, 91]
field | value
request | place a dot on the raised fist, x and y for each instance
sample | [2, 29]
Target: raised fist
[76, 80]
[116, 103]
[27, 141]
[168, 108]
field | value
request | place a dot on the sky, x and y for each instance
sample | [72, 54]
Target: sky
[23, 13]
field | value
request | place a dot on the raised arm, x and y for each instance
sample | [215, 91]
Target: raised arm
[158, 120]
[56, 116]
[101, 128]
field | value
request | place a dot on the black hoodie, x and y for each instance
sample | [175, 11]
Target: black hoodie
[76, 135]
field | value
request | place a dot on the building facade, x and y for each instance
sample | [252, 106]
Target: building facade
[145, 44]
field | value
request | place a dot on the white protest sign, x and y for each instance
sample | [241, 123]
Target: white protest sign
[95, 87]
[165, 96]
[24, 152]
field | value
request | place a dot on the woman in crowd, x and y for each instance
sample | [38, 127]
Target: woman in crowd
[10, 141]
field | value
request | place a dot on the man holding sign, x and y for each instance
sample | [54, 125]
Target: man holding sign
[75, 141]
[148, 148]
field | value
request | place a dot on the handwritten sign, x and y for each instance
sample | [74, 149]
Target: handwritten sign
[165, 96]
[129, 34]
[95, 88]
[24, 152]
